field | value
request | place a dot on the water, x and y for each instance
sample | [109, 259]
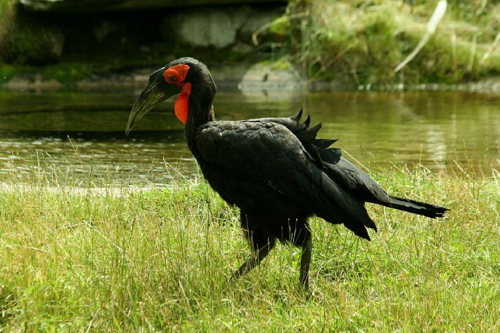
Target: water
[81, 135]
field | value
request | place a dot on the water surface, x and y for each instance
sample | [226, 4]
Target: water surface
[81, 135]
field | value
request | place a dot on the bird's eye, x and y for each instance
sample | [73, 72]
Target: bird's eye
[175, 74]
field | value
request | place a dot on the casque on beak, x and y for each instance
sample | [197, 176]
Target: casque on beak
[155, 92]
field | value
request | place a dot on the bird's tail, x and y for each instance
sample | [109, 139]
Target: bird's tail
[415, 207]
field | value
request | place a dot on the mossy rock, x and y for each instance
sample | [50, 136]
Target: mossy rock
[24, 40]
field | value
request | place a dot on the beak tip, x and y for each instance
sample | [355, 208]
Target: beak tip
[130, 125]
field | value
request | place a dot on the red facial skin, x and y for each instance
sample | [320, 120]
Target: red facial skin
[176, 75]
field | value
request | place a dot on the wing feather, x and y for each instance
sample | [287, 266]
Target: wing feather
[270, 153]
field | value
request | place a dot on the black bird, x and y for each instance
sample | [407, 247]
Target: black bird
[275, 170]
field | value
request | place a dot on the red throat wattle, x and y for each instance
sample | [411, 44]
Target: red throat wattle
[176, 75]
[181, 104]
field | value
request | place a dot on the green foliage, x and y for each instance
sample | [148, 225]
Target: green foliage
[7, 72]
[363, 41]
[68, 72]
[6, 6]
[116, 259]
[280, 27]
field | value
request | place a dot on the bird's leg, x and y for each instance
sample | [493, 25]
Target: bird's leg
[258, 254]
[305, 262]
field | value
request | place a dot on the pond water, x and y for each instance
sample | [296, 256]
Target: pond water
[81, 135]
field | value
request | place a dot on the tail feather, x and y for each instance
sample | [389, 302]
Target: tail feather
[415, 207]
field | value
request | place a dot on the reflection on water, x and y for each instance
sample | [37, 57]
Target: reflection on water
[81, 134]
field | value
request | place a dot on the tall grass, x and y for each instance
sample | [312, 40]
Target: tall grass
[363, 41]
[80, 259]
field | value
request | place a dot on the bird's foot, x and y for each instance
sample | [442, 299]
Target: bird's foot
[235, 276]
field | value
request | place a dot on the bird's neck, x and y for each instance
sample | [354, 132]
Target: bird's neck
[200, 112]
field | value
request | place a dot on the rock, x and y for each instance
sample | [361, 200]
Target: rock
[491, 84]
[269, 76]
[104, 28]
[33, 43]
[217, 27]
[38, 84]
[41, 84]
[239, 15]
[242, 48]
[18, 84]
[210, 27]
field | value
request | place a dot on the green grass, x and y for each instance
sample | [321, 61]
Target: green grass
[122, 260]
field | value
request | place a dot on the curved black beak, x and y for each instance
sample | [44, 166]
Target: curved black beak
[155, 92]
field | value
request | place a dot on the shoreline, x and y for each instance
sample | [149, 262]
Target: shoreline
[238, 77]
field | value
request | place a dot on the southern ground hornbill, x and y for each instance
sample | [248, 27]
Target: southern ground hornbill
[274, 169]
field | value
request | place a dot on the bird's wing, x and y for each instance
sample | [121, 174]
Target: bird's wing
[317, 149]
[356, 181]
[346, 174]
[268, 152]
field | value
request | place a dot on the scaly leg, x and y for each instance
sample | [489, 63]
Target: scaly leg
[257, 256]
[259, 245]
[305, 263]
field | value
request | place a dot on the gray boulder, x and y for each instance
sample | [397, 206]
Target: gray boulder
[280, 75]
[212, 27]
[217, 27]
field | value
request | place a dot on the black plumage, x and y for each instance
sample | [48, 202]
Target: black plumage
[275, 170]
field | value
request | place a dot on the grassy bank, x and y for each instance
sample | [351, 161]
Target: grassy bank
[122, 260]
[363, 41]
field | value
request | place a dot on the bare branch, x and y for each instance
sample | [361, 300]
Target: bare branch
[431, 29]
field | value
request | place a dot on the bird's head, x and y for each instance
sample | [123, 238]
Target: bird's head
[178, 77]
